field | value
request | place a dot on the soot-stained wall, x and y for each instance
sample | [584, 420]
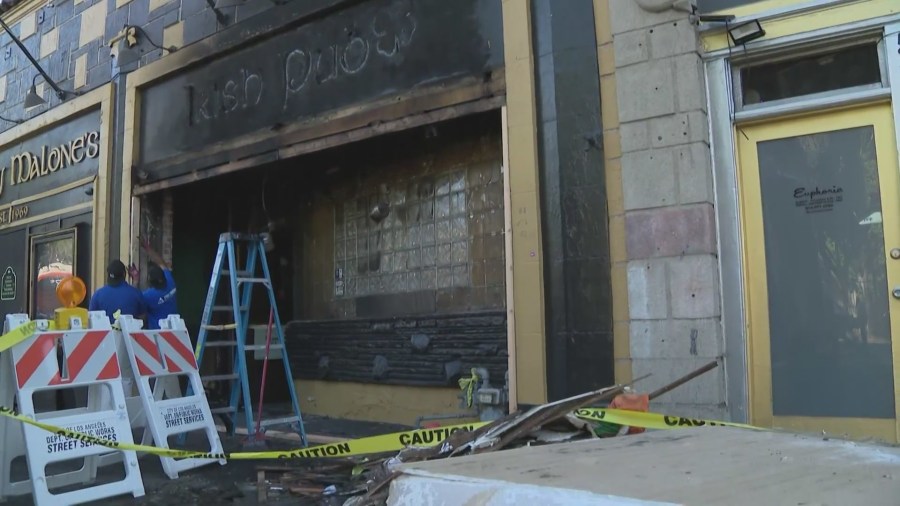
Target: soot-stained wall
[416, 294]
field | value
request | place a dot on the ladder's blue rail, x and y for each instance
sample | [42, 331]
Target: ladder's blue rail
[241, 283]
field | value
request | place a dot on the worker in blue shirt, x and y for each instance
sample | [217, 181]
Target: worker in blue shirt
[160, 298]
[117, 295]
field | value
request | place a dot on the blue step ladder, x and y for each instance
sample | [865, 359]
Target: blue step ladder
[242, 282]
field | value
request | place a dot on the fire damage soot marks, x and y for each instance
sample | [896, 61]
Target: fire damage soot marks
[309, 63]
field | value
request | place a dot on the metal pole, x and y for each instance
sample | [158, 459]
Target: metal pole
[684, 379]
[59, 92]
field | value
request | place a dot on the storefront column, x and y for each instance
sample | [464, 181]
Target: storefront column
[526, 261]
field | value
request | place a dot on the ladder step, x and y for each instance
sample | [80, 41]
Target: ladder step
[228, 308]
[230, 326]
[249, 347]
[219, 377]
[279, 421]
[221, 344]
[262, 347]
[243, 279]
[253, 280]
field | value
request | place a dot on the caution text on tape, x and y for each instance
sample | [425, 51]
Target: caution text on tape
[650, 420]
[355, 447]
[368, 445]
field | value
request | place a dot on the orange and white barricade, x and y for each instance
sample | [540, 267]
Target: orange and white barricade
[53, 361]
[160, 356]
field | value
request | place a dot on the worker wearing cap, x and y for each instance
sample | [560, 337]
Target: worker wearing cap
[117, 295]
[160, 297]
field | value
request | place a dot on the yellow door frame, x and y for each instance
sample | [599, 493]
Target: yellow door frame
[878, 115]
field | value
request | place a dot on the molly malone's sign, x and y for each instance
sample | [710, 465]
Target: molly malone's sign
[30, 166]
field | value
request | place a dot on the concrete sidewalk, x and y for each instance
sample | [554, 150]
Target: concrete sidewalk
[687, 466]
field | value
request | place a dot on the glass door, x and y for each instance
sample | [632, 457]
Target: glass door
[821, 223]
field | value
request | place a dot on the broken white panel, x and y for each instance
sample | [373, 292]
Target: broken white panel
[418, 488]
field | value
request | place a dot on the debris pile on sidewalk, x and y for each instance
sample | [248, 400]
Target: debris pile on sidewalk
[365, 481]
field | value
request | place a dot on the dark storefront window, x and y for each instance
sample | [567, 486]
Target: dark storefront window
[52, 259]
[829, 319]
[835, 70]
[424, 240]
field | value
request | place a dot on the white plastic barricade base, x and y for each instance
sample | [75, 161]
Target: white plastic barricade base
[166, 387]
[12, 436]
[76, 358]
[162, 355]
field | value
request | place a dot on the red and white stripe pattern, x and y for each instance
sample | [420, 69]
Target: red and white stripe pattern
[161, 352]
[90, 355]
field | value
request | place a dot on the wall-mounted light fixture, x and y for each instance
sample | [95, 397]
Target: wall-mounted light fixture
[745, 32]
[33, 98]
[61, 93]
[126, 46]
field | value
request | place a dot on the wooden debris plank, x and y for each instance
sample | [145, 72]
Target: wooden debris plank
[525, 423]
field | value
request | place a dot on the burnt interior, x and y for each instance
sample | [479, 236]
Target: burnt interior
[388, 260]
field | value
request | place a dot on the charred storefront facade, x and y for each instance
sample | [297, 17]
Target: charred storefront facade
[375, 166]
[429, 174]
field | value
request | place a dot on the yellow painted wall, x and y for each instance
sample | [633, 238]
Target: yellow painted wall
[527, 255]
[807, 20]
[378, 403]
[760, 6]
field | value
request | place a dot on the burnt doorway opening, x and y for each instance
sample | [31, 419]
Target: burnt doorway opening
[375, 242]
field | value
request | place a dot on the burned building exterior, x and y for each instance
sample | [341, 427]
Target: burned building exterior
[430, 175]
[561, 195]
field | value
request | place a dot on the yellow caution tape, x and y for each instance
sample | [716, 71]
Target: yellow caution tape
[378, 444]
[17, 335]
[467, 385]
[650, 420]
[363, 446]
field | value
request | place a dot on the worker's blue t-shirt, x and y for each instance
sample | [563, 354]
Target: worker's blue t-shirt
[160, 302]
[121, 297]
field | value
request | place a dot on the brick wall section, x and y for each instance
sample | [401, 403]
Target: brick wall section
[672, 269]
[70, 39]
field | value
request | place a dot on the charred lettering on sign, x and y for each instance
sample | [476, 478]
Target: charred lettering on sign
[389, 33]
[239, 92]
